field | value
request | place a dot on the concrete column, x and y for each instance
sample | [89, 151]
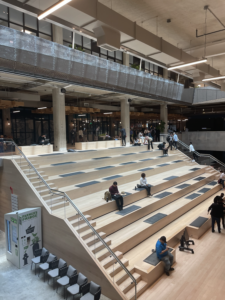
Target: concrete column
[164, 116]
[57, 34]
[59, 120]
[165, 73]
[7, 124]
[126, 59]
[125, 118]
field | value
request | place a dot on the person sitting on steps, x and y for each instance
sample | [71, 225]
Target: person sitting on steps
[164, 255]
[144, 184]
[163, 147]
[116, 195]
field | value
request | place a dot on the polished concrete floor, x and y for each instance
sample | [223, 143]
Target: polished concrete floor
[20, 284]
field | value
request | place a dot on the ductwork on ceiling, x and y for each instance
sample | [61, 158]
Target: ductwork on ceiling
[107, 38]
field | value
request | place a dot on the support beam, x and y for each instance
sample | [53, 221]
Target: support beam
[125, 118]
[59, 120]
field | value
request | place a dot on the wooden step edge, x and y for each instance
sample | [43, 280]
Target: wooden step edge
[106, 263]
[124, 276]
[87, 233]
[57, 206]
[141, 287]
[83, 227]
[75, 217]
[118, 268]
[129, 284]
[99, 246]
[92, 240]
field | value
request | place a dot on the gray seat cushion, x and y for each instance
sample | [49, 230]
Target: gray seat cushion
[44, 266]
[73, 289]
[36, 260]
[94, 288]
[81, 279]
[87, 296]
[51, 258]
[62, 263]
[44, 252]
[54, 273]
[71, 271]
[63, 280]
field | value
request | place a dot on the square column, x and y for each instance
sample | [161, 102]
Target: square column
[59, 120]
[126, 58]
[125, 119]
[57, 34]
[164, 116]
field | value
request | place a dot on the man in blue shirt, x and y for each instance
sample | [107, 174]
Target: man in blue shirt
[175, 140]
[164, 255]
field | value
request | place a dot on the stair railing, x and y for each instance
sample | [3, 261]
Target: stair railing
[68, 200]
[182, 146]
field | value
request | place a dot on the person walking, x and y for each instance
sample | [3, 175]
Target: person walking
[192, 150]
[144, 184]
[171, 141]
[216, 210]
[163, 254]
[116, 195]
[123, 136]
[175, 140]
[151, 139]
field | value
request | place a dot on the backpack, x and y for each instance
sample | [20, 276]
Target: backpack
[107, 195]
[168, 138]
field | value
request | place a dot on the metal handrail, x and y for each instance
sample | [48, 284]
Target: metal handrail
[200, 154]
[53, 191]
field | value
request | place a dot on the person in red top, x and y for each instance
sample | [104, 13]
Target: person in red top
[116, 195]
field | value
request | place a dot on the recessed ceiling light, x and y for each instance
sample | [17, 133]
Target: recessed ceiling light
[52, 9]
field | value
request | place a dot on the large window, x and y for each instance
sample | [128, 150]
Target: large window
[12, 18]
[89, 46]
[145, 66]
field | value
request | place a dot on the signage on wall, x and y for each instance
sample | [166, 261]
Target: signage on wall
[14, 202]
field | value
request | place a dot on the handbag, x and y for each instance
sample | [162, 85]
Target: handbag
[220, 181]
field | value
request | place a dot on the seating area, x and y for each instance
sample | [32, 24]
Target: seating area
[64, 276]
[181, 190]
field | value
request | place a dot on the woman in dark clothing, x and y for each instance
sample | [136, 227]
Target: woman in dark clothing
[216, 212]
[221, 202]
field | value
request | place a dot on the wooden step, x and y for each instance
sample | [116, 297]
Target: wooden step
[110, 260]
[141, 287]
[55, 200]
[118, 268]
[58, 205]
[83, 227]
[99, 245]
[77, 220]
[92, 240]
[128, 284]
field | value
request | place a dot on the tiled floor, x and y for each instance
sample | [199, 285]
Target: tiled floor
[20, 284]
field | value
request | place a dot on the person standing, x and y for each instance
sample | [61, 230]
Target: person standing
[216, 213]
[72, 133]
[175, 140]
[164, 255]
[131, 135]
[116, 195]
[192, 150]
[144, 184]
[123, 136]
[150, 139]
[222, 178]
[157, 133]
[153, 133]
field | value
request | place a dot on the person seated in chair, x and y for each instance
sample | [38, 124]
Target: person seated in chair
[163, 147]
[164, 255]
[144, 184]
[116, 195]
[41, 139]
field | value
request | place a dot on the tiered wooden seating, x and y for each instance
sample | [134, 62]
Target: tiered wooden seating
[128, 236]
